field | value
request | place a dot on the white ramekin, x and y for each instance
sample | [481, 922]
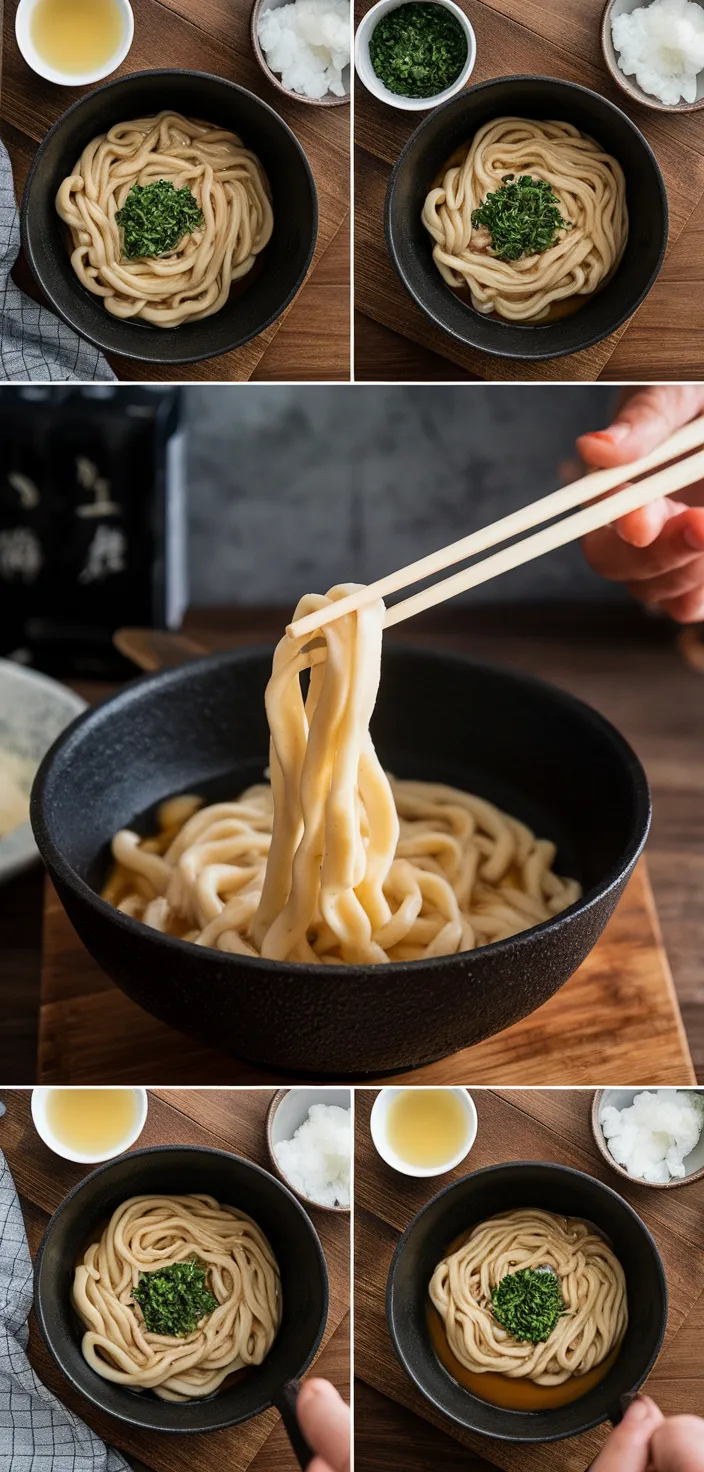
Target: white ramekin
[378, 1126]
[372, 82]
[41, 1125]
[33, 58]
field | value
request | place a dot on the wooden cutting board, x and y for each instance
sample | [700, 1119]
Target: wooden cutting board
[530, 1125]
[208, 36]
[513, 38]
[617, 1021]
[219, 1119]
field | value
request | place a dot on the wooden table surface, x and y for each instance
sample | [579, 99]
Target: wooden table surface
[623, 663]
[665, 337]
[395, 1428]
[226, 1120]
[311, 340]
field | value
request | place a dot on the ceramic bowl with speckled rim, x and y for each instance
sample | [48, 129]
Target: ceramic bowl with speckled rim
[33, 712]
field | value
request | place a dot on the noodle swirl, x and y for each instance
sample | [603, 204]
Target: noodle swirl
[149, 1232]
[194, 280]
[337, 861]
[591, 1279]
[591, 191]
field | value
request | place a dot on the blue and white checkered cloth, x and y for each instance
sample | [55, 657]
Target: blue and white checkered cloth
[37, 1433]
[35, 345]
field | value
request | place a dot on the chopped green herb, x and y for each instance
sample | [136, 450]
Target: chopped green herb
[523, 217]
[174, 1299]
[418, 50]
[155, 217]
[528, 1304]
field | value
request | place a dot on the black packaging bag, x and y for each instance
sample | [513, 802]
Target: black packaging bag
[92, 522]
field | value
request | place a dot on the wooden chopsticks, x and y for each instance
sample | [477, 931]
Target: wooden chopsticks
[589, 518]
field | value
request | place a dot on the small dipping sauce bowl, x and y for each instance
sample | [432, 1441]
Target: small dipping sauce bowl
[379, 1126]
[41, 1100]
[43, 68]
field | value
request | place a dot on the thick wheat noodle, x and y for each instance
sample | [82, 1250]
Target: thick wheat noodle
[194, 280]
[591, 1279]
[591, 191]
[149, 1232]
[336, 861]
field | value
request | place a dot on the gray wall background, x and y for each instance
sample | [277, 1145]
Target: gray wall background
[292, 489]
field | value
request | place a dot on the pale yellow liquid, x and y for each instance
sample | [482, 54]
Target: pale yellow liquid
[91, 1121]
[426, 1127]
[76, 36]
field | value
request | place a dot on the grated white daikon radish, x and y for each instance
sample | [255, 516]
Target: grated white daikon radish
[307, 44]
[316, 1161]
[662, 45]
[652, 1138]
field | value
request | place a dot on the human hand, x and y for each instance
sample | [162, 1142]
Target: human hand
[658, 552]
[325, 1422]
[646, 1442]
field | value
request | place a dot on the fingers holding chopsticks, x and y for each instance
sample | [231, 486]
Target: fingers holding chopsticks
[643, 420]
[657, 551]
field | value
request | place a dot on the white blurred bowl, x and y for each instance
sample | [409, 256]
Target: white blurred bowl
[378, 1125]
[622, 1099]
[373, 83]
[34, 710]
[287, 1112]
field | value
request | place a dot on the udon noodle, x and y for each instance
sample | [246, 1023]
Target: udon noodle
[592, 1283]
[590, 189]
[151, 1232]
[336, 861]
[194, 280]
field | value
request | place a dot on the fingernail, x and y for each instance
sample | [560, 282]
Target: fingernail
[616, 432]
[316, 1388]
[694, 537]
[639, 1408]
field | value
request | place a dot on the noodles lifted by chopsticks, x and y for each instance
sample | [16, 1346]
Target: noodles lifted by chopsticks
[194, 280]
[591, 1280]
[591, 193]
[337, 861]
[148, 1233]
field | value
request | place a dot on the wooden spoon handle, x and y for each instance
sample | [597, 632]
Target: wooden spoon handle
[156, 649]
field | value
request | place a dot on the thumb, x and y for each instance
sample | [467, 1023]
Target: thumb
[678, 1445]
[628, 1447]
[324, 1420]
[643, 421]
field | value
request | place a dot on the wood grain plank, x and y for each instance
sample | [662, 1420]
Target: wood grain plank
[232, 1122]
[516, 1125]
[517, 33]
[214, 38]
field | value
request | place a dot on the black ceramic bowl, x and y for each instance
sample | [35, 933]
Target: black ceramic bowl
[283, 264]
[538, 753]
[455, 123]
[183, 1169]
[486, 1193]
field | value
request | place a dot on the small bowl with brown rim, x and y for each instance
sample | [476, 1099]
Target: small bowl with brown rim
[287, 1112]
[329, 100]
[622, 1099]
[629, 85]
